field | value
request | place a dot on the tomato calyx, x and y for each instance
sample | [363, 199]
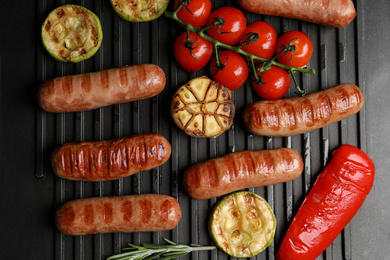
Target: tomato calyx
[185, 3]
[190, 45]
[287, 48]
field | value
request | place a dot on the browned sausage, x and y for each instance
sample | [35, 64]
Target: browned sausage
[293, 116]
[132, 213]
[111, 159]
[334, 13]
[92, 90]
[241, 170]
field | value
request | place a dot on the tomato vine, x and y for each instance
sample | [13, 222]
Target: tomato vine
[267, 63]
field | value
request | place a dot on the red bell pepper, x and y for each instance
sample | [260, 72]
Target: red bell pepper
[333, 201]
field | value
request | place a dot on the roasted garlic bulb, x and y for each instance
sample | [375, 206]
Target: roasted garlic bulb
[203, 108]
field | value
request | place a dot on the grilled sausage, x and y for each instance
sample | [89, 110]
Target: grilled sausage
[334, 13]
[241, 170]
[111, 159]
[132, 213]
[293, 116]
[103, 88]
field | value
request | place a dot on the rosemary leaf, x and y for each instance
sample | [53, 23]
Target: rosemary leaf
[149, 251]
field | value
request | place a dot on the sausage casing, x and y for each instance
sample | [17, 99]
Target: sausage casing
[293, 116]
[92, 90]
[240, 170]
[334, 13]
[110, 159]
[131, 213]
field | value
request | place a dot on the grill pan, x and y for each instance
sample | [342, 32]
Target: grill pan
[30, 193]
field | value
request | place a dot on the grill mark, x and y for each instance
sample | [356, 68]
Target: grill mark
[104, 79]
[271, 117]
[60, 13]
[48, 25]
[107, 213]
[86, 83]
[267, 163]
[211, 172]
[83, 161]
[127, 211]
[49, 85]
[287, 160]
[122, 76]
[146, 208]
[141, 72]
[325, 107]
[256, 117]
[288, 115]
[89, 214]
[307, 112]
[164, 211]
[66, 84]
[102, 162]
[67, 215]
[355, 97]
[66, 164]
[342, 104]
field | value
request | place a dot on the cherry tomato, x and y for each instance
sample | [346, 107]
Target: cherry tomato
[265, 46]
[201, 52]
[195, 13]
[332, 202]
[233, 29]
[234, 73]
[302, 54]
[276, 83]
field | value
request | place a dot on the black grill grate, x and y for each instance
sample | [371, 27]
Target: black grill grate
[335, 57]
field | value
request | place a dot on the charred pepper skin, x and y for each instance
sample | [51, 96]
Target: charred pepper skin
[333, 201]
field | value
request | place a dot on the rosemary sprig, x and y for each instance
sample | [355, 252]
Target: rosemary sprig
[150, 251]
[237, 49]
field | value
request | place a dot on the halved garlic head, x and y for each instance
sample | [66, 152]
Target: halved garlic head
[71, 33]
[242, 224]
[203, 108]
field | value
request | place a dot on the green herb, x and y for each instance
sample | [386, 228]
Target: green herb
[150, 251]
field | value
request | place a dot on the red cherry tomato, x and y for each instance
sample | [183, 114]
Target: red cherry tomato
[234, 73]
[231, 32]
[332, 202]
[265, 46]
[276, 83]
[201, 52]
[302, 54]
[195, 13]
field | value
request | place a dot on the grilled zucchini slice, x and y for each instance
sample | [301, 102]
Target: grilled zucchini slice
[242, 224]
[71, 33]
[203, 108]
[139, 10]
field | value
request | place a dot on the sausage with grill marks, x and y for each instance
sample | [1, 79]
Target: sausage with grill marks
[293, 116]
[241, 170]
[110, 159]
[132, 213]
[92, 90]
[334, 13]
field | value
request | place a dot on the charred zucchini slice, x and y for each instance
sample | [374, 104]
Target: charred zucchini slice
[139, 10]
[71, 33]
[203, 108]
[242, 224]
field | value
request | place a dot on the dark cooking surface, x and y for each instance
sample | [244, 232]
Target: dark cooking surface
[30, 194]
